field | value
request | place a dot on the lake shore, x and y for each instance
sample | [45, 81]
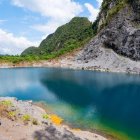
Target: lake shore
[111, 62]
[66, 64]
[21, 120]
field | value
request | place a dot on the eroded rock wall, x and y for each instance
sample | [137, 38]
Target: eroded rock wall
[122, 33]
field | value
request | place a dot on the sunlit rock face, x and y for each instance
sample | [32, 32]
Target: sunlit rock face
[121, 32]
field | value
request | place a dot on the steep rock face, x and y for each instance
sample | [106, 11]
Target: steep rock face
[119, 29]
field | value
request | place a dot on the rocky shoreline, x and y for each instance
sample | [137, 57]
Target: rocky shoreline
[72, 64]
[23, 120]
[109, 61]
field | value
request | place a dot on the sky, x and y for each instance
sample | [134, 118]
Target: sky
[25, 23]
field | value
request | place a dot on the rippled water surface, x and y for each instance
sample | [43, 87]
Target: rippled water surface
[105, 101]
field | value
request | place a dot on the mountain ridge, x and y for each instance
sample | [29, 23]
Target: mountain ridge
[71, 34]
[112, 44]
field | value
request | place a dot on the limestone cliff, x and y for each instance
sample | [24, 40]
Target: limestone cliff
[118, 29]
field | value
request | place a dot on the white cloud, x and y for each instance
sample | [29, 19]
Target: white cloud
[92, 10]
[10, 44]
[47, 28]
[58, 9]
[99, 2]
[57, 12]
[2, 21]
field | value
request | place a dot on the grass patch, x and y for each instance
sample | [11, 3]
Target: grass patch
[7, 103]
[26, 118]
[12, 115]
[4, 110]
[109, 12]
[45, 116]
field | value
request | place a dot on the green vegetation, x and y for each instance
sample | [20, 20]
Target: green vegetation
[68, 37]
[12, 115]
[120, 4]
[35, 122]
[45, 116]
[109, 13]
[6, 103]
[17, 59]
[5, 110]
[115, 9]
[95, 26]
[26, 118]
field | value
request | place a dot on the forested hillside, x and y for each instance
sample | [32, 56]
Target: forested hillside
[66, 38]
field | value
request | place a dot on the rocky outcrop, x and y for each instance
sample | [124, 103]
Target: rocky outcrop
[22, 120]
[119, 30]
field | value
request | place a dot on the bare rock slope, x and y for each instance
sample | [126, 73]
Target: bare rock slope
[117, 45]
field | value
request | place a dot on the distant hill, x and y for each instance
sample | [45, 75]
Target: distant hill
[66, 38]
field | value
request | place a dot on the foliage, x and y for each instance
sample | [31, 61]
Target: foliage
[95, 25]
[45, 116]
[6, 103]
[4, 110]
[108, 12]
[18, 59]
[35, 122]
[70, 35]
[12, 115]
[31, 51]
[121, 4]
[26, 117]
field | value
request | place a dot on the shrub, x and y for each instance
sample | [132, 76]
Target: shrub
[116, 9]
[12, 115]
[3, 110]
[6, 103]
[45, 116]
[35, 122]
[26, 118]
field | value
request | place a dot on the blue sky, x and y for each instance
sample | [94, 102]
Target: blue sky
[25, 23]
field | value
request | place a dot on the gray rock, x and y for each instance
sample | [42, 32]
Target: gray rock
[122, 34]
[51, 133]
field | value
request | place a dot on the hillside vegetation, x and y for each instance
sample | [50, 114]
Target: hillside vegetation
[66, 38]
[80, 31]
[109, 9]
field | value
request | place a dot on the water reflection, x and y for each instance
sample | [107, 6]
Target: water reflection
[85, 95]
[23, 83]
[115, 97]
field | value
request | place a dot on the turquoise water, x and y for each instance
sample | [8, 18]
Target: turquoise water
[86, 99]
